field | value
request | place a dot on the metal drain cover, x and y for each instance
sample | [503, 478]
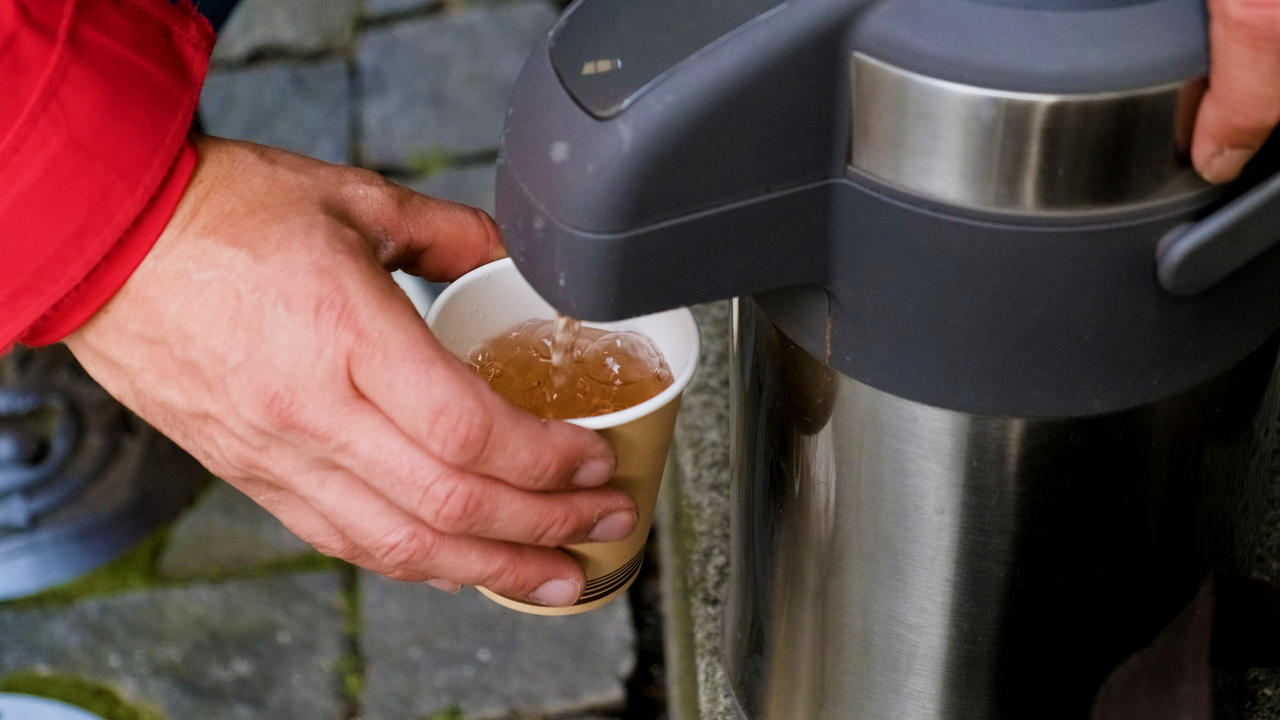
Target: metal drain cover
[29, 707]
[81, 479]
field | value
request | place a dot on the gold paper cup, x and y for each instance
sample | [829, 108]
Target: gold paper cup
[493, 298]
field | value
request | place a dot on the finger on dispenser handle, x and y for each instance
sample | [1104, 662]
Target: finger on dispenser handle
[1193, 257]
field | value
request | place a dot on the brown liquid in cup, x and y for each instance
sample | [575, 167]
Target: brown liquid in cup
[598, 372]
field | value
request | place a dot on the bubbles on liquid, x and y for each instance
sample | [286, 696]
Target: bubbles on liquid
[542, 338]
[604, 372]
[481, 354]
[621, 359]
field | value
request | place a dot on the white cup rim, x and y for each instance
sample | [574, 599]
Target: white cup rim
[609, 420]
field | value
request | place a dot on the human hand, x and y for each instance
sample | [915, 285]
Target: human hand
[1242, 104]
[264, 334]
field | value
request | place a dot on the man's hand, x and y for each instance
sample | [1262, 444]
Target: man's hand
[1242, 105]
[265, 335]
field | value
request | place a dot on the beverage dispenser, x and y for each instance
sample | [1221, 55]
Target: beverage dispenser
[1003, 384]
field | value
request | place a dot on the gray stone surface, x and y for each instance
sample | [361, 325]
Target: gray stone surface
[696, 524]
[287, 26]
[226, 531]
[379, 8]
[472, 186]
[442, 84]
[426, 651]
[264, 649]
[303, 107]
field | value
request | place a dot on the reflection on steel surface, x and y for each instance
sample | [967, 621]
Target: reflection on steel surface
[1023, 152]
[898, 561]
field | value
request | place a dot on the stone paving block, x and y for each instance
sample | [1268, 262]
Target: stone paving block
[225, 531]
[442, 84]
[303, 107]
[378, 8]
[701, 538]
[264, 649]
[426, 651]
[288, 26]
[472, 186]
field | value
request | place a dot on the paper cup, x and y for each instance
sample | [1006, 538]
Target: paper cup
[492, 299]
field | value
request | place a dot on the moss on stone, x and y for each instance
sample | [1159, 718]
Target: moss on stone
[352, 664]
[675, 544]
[97, 699]
[453, 712]
[137, 570]
[301, 563]
[430, 162]
[133, 570]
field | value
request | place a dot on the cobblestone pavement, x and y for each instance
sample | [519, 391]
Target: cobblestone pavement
[226, 615]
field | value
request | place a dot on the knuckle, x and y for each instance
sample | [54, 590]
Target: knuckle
[560, 525]
[487, 224]
[335, 545]
[286, 411]
[451, 505]
[1259, 19]
[460, 431]
[361, 185]
[405, 549]
[506, 574]
[548, 467]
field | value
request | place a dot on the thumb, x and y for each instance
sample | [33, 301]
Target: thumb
[434, 239]
[1242, 105]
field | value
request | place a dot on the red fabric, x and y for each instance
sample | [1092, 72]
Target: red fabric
[96, 99]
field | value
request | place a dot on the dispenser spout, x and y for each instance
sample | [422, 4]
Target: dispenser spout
[652, 160]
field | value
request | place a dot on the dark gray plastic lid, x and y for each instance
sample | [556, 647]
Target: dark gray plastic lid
[607, 52]
[730, 175]
[1083, 46]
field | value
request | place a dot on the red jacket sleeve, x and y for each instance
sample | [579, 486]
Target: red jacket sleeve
[96, 101]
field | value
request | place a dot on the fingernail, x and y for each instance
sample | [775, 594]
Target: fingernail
[1226, 165]
[450, 587]
[594, 473]
[614, 526]
[557, 593]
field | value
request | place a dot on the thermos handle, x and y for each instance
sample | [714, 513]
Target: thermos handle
[1194, 257]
